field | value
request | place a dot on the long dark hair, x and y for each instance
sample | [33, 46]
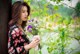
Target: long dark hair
[16, 11]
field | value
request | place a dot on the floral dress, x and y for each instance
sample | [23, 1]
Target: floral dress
[16, 41]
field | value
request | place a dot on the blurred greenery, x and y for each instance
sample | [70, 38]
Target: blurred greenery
[57, 27]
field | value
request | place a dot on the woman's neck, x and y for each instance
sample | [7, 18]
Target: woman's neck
[20, 27]
[19, 22]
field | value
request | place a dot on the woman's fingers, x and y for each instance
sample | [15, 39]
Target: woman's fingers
[36, 37]
[35, 41]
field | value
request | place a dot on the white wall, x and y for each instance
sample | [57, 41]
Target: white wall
[71, 3]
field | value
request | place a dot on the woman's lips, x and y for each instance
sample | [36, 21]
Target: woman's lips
[25, 17]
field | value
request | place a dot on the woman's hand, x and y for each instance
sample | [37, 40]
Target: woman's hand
[34, 43]
[36, 37]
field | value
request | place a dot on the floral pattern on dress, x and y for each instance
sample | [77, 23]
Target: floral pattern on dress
[16, 41]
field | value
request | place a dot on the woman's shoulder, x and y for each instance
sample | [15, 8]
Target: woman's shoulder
[14, 29]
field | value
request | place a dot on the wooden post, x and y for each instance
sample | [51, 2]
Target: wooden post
[4, 17]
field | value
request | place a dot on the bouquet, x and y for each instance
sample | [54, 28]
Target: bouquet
[32, 28]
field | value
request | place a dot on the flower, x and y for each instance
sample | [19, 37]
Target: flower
[32, 26]
[29, 28]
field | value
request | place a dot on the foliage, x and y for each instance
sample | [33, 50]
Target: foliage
[57, 31]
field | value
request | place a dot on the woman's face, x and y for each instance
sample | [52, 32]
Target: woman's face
[24, 13]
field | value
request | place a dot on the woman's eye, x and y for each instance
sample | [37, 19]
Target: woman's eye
[23, 12]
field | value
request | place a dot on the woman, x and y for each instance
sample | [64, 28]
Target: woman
[17, 41]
